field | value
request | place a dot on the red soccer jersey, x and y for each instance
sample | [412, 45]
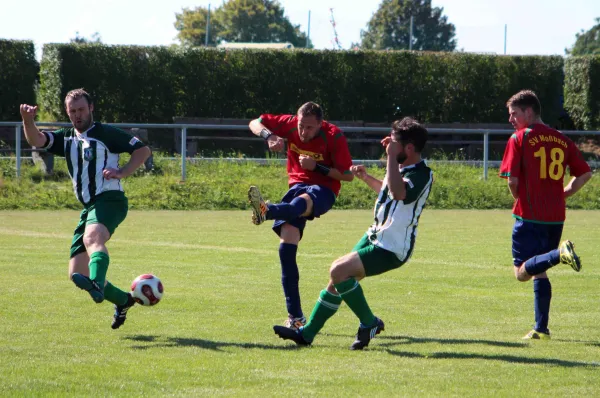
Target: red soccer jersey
[329, 147]
[538, 156]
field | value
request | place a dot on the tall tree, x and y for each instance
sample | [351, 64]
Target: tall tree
[95, 38]
[587, 42]
[257, 21]
[191, 24]
[389, 27]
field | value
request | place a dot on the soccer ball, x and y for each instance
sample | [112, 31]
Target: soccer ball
[147, 289]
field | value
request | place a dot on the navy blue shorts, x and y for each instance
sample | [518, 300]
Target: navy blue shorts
[530, 239]
[323, 199]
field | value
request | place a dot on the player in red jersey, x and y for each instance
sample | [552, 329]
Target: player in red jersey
[534, 163]
[317, 160]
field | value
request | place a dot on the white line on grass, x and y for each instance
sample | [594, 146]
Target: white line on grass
[178, 245]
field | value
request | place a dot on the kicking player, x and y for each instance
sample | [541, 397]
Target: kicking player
[92, 150]
[534, 163]
[317, 160]
[387, 244]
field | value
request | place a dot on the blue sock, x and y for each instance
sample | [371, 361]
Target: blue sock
[287, 211]
[540, 263]
[290, 278]
[542, 291]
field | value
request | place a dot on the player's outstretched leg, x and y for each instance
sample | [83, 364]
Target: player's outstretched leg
[259, 206]
[121, 312]
[90, 286]
[366, 333]
[291, 334]
[568, 256]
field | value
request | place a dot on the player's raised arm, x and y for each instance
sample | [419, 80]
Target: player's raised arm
[260, 130]
[33, 135]
[360, 172]
[394, 178]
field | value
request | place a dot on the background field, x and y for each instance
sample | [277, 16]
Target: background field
[454, 314]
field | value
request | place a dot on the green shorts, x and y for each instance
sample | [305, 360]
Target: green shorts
[375, 259]
[109, 209]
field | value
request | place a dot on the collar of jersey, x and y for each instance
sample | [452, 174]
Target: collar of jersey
[84, 134]
[413, 165]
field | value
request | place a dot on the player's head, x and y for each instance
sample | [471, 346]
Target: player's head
[523, 109]
[310, 117]
[411, 135]
[79, 106]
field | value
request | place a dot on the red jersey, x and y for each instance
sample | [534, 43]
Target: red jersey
[329, 148]
[538, 156]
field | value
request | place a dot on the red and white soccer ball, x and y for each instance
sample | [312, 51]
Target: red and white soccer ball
[147, 289]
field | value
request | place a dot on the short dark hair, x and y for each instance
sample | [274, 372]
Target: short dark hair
[525, 99]
[78, 93]
[311, 109]
[409, 131]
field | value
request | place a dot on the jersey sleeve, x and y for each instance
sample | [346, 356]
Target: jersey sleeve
[342, 160]
[511, 161]
[55, 142]
[577, 164]
[280, 125]
[119, 141]
[415, 184]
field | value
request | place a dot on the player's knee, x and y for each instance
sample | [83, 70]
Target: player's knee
[521, 275]
[309, 205]
[93, 238]
[337, 271]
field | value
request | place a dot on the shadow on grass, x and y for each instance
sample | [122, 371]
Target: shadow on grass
[397, 340]
[160, 342]
[584, 342]
[423, 340]
[504, 358]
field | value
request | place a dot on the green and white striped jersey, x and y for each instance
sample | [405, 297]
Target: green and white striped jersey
[395, 225]
[88, 154]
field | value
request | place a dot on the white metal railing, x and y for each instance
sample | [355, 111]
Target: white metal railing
[183, 127]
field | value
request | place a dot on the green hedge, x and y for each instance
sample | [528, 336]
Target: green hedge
[582, 91]
[154, 84]
[18, 76]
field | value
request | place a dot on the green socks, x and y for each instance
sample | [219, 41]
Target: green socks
[98, 267]
[115, 295]
[353, 295]
[326, 306]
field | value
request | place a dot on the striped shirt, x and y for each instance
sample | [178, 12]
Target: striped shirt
[395, 225]
[88, 154]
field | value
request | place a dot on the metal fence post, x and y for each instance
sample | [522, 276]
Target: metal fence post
[486, 154]
[183, 151]
[18, 148]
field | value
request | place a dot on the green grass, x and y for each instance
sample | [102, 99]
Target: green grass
[454, 314]
[222, 185]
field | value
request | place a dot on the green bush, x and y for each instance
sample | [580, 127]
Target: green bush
[155, 84]
[582, 91]
[18, 77]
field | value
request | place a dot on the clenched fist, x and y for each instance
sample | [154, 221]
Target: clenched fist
[28, 112]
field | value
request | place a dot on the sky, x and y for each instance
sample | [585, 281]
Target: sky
[540, 27]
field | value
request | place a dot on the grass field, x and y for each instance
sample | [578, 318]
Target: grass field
[454, 314]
